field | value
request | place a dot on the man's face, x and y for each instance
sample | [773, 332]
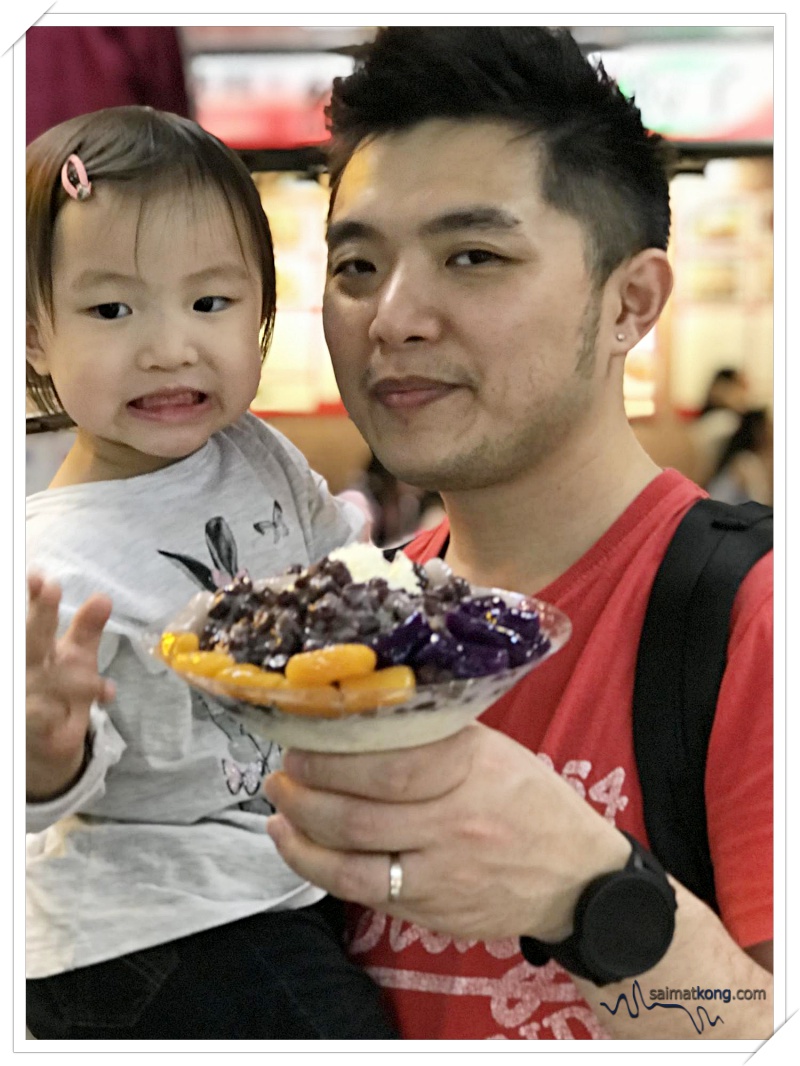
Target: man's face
[459, 311]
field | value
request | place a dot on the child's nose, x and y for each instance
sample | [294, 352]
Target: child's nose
[168, 348]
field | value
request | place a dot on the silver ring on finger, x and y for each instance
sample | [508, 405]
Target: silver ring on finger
[395, 877]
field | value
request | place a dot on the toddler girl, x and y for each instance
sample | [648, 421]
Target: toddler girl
[157, 906]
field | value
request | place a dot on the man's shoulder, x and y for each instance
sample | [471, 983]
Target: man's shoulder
[737, 545]
[755, 598]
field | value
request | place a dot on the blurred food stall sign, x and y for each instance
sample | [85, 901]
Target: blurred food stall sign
[265, 99]
[712, 91]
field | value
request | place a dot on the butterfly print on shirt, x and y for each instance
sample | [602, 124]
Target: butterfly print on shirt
[246, 777]
[277, 525]
[222, 551]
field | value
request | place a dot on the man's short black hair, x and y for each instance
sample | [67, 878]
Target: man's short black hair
[598, 163]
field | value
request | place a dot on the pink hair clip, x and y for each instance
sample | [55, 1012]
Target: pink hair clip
[75, 179]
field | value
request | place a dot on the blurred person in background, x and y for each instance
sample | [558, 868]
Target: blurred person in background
[72, 70]
[744, 471]
[431, 510]
[729, 390]
[395, 505]
[727, 399]
[394, 510]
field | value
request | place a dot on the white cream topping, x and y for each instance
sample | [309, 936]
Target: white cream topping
[365, 561]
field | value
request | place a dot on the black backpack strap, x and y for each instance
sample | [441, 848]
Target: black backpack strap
[681, 660]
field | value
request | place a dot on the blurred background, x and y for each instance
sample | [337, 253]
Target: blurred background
[698, 388]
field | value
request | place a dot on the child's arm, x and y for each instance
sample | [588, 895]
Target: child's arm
[62, 684]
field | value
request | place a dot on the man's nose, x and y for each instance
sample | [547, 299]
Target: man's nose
[406, 311]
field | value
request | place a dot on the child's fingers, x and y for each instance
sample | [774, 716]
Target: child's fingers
[83, 687]
[107, 691]
[57, 693]
[60, 695]
[35, 582]
[86, 627]
[40, 586]
[42, 621]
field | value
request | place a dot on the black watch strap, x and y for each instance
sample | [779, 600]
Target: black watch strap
[624, 923]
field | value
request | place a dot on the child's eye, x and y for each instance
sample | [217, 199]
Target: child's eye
[474, 257]
[111, 310]
[211, 303]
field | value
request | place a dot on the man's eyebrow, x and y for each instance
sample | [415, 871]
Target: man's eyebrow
[471, 218]
[348, 230]
[467, 218]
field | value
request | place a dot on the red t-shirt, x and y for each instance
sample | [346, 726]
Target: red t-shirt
[574, 711]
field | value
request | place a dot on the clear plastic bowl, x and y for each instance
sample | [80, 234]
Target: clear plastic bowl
[305, 718]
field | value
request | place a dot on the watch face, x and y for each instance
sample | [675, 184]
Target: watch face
[628, 924]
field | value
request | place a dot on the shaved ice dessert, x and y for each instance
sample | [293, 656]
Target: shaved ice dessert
[355, 636]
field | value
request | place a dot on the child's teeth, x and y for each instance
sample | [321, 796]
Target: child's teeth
[173, 399]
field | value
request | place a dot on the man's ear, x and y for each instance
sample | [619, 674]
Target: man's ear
[644, 284]
[34, 349]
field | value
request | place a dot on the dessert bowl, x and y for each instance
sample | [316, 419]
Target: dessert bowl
[361, 716]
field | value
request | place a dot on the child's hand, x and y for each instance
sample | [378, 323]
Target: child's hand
[62, 683]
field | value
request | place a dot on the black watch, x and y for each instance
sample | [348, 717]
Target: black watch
[624, 923]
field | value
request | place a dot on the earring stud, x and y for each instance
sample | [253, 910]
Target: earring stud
[620, 336]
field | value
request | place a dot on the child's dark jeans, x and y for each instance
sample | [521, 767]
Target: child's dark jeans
[282, 975]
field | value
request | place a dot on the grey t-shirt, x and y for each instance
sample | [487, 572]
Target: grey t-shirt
[164, 835]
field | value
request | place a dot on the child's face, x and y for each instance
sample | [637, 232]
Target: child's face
[155, 337]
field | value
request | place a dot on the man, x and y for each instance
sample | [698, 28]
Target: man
[497, 244]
